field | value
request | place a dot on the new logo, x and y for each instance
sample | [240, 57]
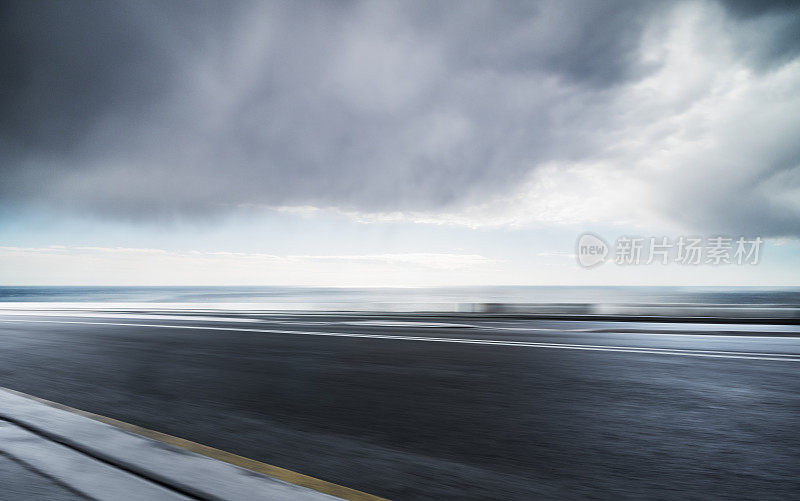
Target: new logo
[591, 250]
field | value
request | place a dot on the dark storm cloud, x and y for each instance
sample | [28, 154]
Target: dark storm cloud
[142, 110]
[753, 8]
[126, 107]
[777, 27]
[68, 64]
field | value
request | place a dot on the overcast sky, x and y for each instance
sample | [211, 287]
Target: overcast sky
[392, 143]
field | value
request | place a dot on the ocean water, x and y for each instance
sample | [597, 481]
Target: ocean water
[405, 299]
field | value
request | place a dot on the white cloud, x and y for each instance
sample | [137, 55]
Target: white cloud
[131, 266]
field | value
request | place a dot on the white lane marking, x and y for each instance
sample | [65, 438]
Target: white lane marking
[402, 323]
[136, 316]
[559, 330]
[786, 357]
[744, 328]
[788, 329]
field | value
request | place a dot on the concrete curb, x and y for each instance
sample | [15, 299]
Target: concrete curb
[79, 472]
[51, 432]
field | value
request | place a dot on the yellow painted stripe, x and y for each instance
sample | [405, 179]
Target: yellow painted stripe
[240, 461]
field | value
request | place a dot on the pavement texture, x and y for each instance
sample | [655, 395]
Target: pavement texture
[413, 407]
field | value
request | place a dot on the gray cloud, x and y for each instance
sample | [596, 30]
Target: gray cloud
[150, 110]
[770, 30]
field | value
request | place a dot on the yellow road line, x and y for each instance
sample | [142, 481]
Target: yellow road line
[220, 455]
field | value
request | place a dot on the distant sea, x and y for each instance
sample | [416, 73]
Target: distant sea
[410, 299]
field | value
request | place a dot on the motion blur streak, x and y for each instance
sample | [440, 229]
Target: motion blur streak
[468, 416]
[659, 351]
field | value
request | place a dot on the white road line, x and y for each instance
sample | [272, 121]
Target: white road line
[785, 357]
[787, 334]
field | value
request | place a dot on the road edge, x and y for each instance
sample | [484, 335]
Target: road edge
[276, 472]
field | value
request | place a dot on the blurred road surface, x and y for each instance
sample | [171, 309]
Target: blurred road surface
[413, 407]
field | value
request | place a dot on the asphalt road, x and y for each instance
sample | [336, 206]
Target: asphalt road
[408, 407]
